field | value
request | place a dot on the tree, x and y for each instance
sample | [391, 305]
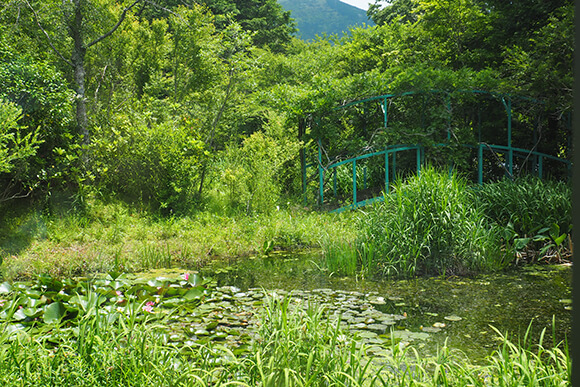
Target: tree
[36, 104]
[400, 10]
[272, 27]
[84, 35]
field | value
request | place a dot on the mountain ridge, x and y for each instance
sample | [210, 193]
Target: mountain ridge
[319, 17]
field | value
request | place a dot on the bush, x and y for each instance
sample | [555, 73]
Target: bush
[428, 225]
[247, 178]
[156, 165]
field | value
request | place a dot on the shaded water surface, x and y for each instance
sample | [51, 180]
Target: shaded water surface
[460, 311]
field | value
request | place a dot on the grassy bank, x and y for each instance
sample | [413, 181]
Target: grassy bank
[432, 224]
[114, 236]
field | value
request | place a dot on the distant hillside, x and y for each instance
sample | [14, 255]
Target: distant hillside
[315, 17]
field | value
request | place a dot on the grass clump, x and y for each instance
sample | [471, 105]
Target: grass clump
[429, 225]
[535, 215]
[301, 347]
[527, 203]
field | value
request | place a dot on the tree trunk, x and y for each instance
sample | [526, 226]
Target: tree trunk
[78, 61]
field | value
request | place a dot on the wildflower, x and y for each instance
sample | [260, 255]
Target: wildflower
[119, 293]
[148, 307]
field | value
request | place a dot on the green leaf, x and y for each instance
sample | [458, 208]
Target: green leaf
[19, 315]
[53, 313]
[558, 241]
[5, 288]
[32, 312]
[520, 243]
[194, 293]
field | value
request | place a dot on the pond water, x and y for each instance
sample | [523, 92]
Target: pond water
[425, 311]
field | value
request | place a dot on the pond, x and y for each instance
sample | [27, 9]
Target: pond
[426, 312]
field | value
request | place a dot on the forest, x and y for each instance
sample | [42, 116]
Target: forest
[143, 135]
[176, 107]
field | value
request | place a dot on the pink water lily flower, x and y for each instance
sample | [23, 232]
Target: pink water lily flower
[186, 276]
[149, 307]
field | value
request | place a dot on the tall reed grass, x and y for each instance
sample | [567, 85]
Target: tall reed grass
[429, 225]
[527, 203]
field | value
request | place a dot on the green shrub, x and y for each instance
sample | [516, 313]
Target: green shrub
[246, 178]
[154, 165]
[428, 225]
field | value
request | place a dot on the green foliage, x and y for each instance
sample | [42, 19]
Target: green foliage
[155, 165]
[248, 178]
[269, 24]
[15, 149]
[543, 66]
[36, 118]
[118, 236]
[528, 204]
[296, 345]
[428, 225]
[535, 214]
[396, 10]
[304, 348]
[50, 301]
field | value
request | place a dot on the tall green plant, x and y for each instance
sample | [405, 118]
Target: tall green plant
[527, 203]
[248, 178]
[155, 165]
[429, 226]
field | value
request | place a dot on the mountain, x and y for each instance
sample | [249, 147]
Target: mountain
[316, 17]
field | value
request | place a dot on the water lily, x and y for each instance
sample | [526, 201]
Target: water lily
[186, 276]
[148, 307]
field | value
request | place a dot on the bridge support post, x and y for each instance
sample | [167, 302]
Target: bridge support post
[387, 171]
[418, 160]
[354, 182]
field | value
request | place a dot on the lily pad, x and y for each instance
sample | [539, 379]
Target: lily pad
[53, 313]
[5, 288]
[431, 329]
[453, 318]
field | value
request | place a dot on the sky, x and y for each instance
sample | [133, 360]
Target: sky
[362, 4]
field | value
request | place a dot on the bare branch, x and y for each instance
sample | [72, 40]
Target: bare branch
[47, 36]
[106, 35]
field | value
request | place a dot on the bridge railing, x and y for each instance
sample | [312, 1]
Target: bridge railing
[391, 152]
